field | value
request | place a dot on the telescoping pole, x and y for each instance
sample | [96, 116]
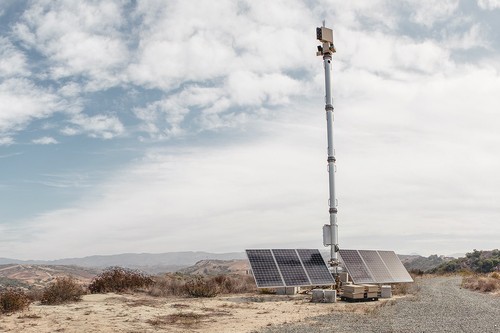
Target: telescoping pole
[325, 35]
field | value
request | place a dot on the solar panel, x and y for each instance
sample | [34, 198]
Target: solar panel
[394, 265]
[365, 266]
[291, 268]
[315, 267]
[356, 267]
[376, 266]
[265, 271]
[273, 268]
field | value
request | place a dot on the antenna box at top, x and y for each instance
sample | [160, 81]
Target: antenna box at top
[325, 35]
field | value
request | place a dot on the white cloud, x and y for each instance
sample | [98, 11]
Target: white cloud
[12, 60]
[148, 205]
[78, 38]
[217, 39]
[162, 119]
[474, 37]
[429, 12]
[210, 107]
[489, 4]
[6, 141]
[46, 140]
[98, 126]
[23, 102]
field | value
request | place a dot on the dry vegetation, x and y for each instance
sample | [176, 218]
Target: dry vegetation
[118, 279]
[13, 300]
[63, 290]
[201, 286]
[489, 283]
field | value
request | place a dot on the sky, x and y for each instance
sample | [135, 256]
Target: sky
[159, 126]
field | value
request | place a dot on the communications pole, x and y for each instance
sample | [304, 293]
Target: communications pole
[330, 236]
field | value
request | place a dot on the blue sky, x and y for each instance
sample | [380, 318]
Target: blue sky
[159, 126]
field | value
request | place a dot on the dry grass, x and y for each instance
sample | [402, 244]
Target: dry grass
[404, 288]
[488, 283]
[200, 286]
[184, 319]
[29, 316]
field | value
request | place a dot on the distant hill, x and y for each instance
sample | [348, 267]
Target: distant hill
[214, 267]
[424, 264]
[148, 262]
[17, 275]
[475, 261]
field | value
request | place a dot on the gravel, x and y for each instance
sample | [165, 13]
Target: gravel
[440, 305]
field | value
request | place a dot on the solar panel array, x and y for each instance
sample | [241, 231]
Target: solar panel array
[369, 266]
[273, 268]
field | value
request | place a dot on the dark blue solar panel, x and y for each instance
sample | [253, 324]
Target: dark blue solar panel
[315, 267]
[264, 269]
[290, 267]
[376, 266]
[356, 267]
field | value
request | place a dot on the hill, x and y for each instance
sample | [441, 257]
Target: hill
[424, 264]
[214, 267]
[475, 261]
[16, 275]
[148, 262]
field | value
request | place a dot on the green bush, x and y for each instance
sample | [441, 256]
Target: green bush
[118, 279]
[12, 300]
[63, 290]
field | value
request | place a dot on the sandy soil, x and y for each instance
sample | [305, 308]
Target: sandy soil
[142, 313]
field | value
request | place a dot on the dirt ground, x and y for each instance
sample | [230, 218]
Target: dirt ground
[142, 313]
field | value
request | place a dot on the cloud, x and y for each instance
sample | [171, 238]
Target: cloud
[152, 202]
[98, 126]
[214, 107]
[488, 4]
[12, 60]
[218, 39]
[77, 39]
[429, 12]
[23, 102]
[46, 140]
[6, 141]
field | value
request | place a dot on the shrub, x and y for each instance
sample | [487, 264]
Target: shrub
[202, 287]
[12, 300]
[118, 279]
[168, 285]
[235, 284]
[481, 283]
[63, 290]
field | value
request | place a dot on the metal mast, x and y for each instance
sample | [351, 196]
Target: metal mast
[330, 232]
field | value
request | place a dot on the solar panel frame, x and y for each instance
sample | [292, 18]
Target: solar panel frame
[264, 268]
[395, 266]
[315, 267]
[376, 266]
[356, 267]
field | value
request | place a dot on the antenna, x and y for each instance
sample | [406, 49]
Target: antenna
[330, 232]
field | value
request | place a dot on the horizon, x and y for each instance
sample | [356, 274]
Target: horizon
[323, 250]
